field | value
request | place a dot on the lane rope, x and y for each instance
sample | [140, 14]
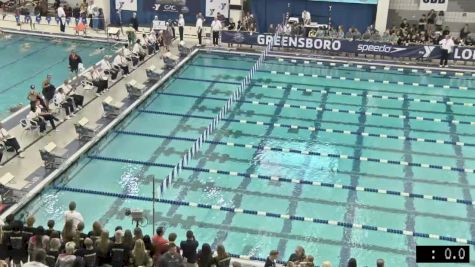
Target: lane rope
[283, 179]
[273, 215]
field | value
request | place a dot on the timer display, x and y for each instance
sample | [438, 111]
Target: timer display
[435, 254]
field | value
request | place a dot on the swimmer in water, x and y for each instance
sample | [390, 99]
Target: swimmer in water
[96, 52]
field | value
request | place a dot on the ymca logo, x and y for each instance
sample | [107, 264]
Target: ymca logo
[165, 8]
[223, 6]
[211, 11]
[428, 50]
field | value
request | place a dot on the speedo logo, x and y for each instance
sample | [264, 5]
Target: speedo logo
[379, 48]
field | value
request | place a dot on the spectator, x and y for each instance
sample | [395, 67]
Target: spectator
[79, 235]
[74, 61]
[404, 24]
[89, 253]
[62, 18]
[38, 260]
[222, 258]
[10, 142]
[422, 23]
[326, 264]
[380, 263]
[53, 252]
[272, 258]
[431, 16]
[447, 46]
[29, 230]
[148, 244]
[68, 232]
[103, 249]
[50, 229]
[189, 247]
[172, 239]
[45, 242]
[205, 256]
[298, 256]
[199, 28]
[34, 116]
[134, 21]
[139, 256]
[308, 262]
[35, 242]
[67, 258]
[119, 252]
[33, 96]
[128, 240]
[160, 244]
[439, 21]
[73, 215]
[352, 262]
[171, 258]
[66, 103]
[48, 90]
[96, 232]
[181, 26]
[464, 32]
[446, 31]
[138, 233]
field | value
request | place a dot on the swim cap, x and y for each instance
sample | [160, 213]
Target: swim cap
[32, 86]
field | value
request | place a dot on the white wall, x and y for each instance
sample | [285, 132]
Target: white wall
[236, 15]
[382, 15]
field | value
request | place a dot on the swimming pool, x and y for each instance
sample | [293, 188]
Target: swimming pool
[26, 60]
[332, 144]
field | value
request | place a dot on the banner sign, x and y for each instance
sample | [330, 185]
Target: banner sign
[130, 5]
[215, 6]
[437, 5]
[172, 6]
[346, 46]
[372, 2]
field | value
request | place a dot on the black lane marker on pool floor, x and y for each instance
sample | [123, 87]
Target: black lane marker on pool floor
[408, 186]
[345, 251]
[461, 163]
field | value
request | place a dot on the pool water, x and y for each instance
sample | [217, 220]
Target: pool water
[317, 114]
[26, 60]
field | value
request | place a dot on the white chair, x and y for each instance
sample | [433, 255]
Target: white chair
[29, 126]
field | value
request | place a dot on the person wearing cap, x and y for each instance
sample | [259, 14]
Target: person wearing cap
[48, 90]
[33, 96]
[74, 60]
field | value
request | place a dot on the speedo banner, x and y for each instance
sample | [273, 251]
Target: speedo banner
[341, 45]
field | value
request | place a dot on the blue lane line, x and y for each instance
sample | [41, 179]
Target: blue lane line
[287, 180]
[272, 215]
[328, 130]
[341, 156]
[333, 110]
[328, 77]
[358, 66]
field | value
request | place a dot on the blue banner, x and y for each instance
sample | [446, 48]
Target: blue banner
[346, 46]
[372, 2]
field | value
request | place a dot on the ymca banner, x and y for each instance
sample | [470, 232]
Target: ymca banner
[339, 45]
[130, 5]
[437, 5]
[215, 6]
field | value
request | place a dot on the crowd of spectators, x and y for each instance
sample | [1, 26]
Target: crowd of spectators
[24, 244]
[431, 29]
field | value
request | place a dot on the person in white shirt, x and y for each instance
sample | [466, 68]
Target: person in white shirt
[73, 215]
[155, 24]
[199, 27]
[34, 116]
[62, 17]
[138, 50]
[216, 28]
[306, 17]
[9, 141]
[61, 99]
[447, 45]
[181, 26]
[99, 79]
[78, 99]
[121, 62]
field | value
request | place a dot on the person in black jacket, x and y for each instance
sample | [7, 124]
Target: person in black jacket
[189, 247]
[134, 22]
[271, 259]
[74, 60]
